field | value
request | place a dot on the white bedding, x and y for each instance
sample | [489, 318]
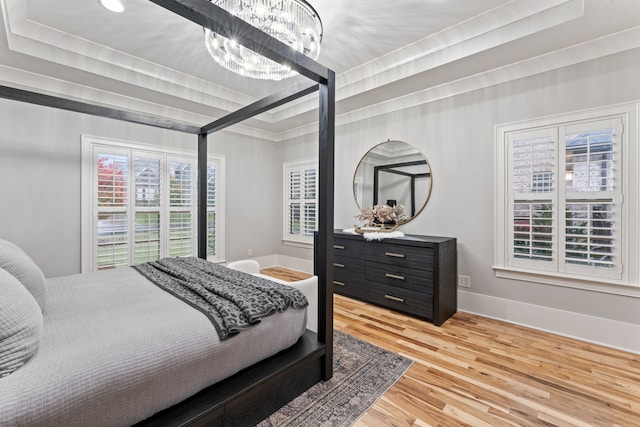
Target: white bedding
[116, 349]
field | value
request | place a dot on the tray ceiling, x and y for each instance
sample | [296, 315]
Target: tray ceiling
[386, 54]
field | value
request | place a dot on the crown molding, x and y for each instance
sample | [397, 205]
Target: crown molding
[494, 27]
[608, 45]
[39, 41]
[507, 23]
[26, 80]
[504, 24]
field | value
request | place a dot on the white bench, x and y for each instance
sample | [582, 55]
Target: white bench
[309, 287]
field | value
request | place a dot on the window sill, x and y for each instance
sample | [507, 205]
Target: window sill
[297, 244]
[569, 281]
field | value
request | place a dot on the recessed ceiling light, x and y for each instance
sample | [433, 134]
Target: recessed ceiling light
[112, 5]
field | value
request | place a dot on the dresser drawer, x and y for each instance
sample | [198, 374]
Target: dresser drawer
[348, 248]
[407, 278]
[400, 255]
[344, 267]
[348, 285]
[407, 301]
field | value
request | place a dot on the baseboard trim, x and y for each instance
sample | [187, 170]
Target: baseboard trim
[597, 330]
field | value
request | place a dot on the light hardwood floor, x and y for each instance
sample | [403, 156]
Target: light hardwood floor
[286, 274]
[475, 371]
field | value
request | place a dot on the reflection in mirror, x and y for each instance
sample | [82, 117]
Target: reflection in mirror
[393, 173]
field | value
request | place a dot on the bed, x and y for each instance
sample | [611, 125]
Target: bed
[265, 381]
[152, 349]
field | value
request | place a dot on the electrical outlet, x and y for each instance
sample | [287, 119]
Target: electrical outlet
[250, 252]
[464, 281]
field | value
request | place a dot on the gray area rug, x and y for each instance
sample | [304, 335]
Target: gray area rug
[362, 373]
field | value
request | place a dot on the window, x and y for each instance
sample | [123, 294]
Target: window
[181, 207]
[139, 204]
[300, 201]
[357, 190]
[561, 197]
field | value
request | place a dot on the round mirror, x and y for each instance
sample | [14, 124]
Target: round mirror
[393, 173]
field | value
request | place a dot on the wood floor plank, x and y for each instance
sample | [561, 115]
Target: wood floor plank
[475, 371]
[286, 274]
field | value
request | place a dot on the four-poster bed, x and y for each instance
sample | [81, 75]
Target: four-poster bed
[396, 169]
[255, 392]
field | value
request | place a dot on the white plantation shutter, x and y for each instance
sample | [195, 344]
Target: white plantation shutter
[147, 237]
[113, 242]
[590, 236]
[294, 218]
[112, 182]
[180, 184]
[139, 205]
[300, 201]
[589, 160]
[591, 231]
[310, 184]
[533, 231]
[146, 228]
[295, 184]
[533, 167]
[309, 219]
[181, 207]
[212, 176]
[565, 198]
[147, 182]
[180, 234]
[294, 190]
[533, 183]
[111, 225]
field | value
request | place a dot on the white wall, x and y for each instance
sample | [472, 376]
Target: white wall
[305, 148]
[254, 194]
[457, 136]
[40, 182]
[40, 185]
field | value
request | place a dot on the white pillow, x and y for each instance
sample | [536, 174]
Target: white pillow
[20, 324]
[17, 263]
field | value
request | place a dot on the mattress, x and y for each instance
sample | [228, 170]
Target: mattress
[116, 349]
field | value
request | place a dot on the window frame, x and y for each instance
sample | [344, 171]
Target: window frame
[92, 145]
[627, 283]
[300, 240]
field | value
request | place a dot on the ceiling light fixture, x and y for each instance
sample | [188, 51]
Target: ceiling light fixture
[294, 22]
[112, 5]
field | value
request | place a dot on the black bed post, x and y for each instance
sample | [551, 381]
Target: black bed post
[324, 251]
[202, 195]
[376, 177]
[413, 195]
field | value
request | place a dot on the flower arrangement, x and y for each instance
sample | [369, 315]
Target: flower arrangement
[379, 215]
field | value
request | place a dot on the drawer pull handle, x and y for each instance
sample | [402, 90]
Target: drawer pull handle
[335, 282]
[335, 264]
[394, 276]
[394, 255]
[392, 298]
[338, 247]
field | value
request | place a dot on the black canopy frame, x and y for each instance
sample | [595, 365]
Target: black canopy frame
[257, 391]
[391, 168]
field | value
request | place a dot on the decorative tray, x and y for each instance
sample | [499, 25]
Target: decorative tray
[382, 228]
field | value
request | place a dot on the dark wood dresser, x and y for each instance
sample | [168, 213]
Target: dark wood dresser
[414, 274]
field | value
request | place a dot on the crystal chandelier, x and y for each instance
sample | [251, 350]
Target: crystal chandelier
[293, 22]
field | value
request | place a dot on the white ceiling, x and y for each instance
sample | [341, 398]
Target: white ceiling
[387, 54]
